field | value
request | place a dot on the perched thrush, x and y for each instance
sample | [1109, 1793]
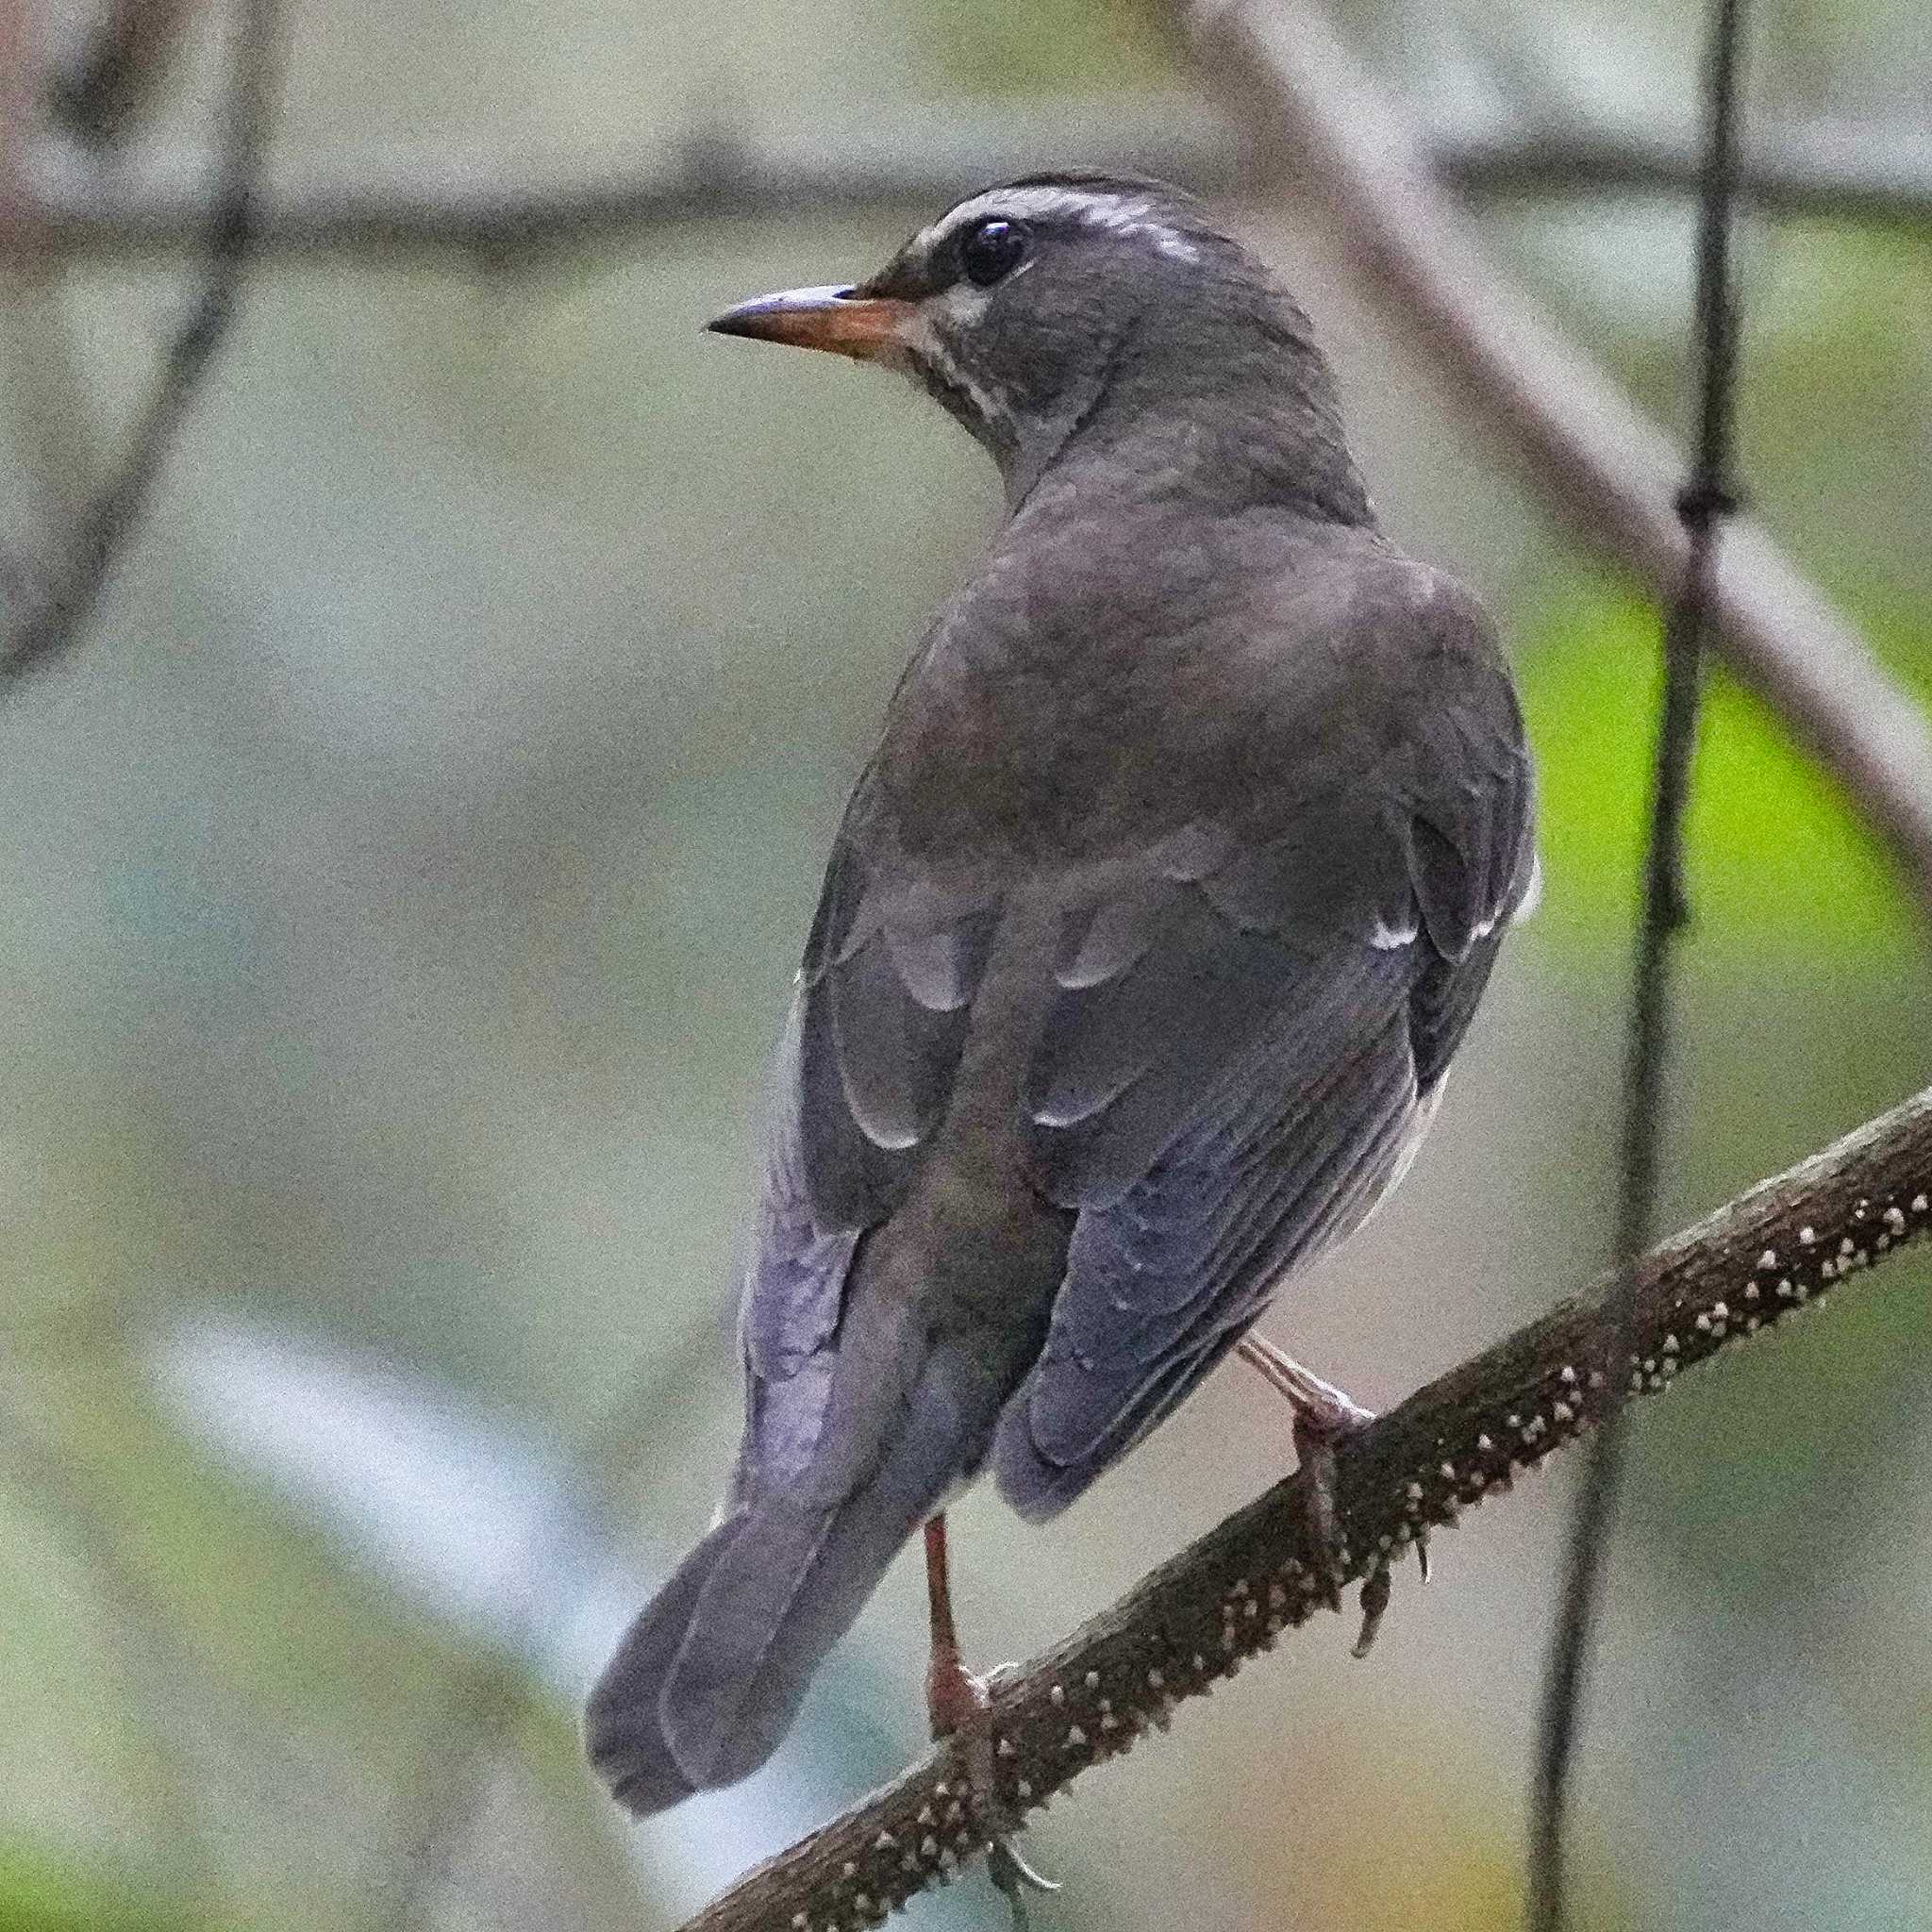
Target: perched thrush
[1146, 941]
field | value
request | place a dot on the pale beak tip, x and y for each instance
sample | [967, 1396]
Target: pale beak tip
[760, 317]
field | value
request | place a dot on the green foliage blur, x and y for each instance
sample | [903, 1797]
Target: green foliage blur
[402, 883]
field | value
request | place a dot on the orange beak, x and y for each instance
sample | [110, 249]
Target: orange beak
[840, 320]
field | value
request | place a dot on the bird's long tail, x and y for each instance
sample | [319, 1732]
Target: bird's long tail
[711, 1675]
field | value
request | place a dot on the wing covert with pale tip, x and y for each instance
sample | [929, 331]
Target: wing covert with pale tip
[861, 1080]
[885, 997]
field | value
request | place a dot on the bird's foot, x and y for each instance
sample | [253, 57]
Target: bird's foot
[1324, 1417]
[957, 1703]
[1015, 1878]
[959, 1706]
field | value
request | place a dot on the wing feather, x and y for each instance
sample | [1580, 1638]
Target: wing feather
[1241, 1094]
[1211, 1238]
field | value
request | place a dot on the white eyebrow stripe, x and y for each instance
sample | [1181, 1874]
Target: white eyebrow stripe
[1120, 214]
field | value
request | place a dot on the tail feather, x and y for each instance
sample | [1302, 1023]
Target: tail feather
[787, 1590]
[624, 1732]
[711, 1676]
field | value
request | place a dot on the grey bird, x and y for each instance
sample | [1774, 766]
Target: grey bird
[1144, 945]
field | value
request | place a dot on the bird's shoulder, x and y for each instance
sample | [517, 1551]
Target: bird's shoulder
[1360, 639]
[1139, 671]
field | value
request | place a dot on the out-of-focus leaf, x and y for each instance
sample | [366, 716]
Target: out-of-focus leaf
[483, 1527]
[42, 1892]
[1776, 862]
[1051, 43]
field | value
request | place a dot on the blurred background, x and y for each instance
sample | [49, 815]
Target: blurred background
[402, 876]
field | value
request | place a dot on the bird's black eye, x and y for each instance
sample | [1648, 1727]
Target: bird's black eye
[992, 250]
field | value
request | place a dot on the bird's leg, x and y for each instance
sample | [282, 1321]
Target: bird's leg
[1324, 1416]
[956, 1704]
[955, 1698]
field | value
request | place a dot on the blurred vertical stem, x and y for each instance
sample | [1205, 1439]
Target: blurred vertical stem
[60, 610]
[1702, 505]
[47, 431]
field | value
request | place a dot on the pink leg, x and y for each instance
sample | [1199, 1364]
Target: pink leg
[957, 1704]
[1324, 1416]
[955, 1698]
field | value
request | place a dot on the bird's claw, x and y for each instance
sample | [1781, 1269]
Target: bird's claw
[1315, 1437]
[1324, 1416]
[1015, 1878]
[1375, 1602]
[960, 1707]
[1377, 1587]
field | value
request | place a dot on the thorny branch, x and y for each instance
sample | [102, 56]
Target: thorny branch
[1702, 504]
[61, 606]
[1587, 452]
[1771, 1252]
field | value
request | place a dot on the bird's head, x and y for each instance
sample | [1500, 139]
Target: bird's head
[1077, 304]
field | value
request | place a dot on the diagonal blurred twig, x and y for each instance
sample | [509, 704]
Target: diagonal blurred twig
[1587, 453]
[1702, 505]
[435, 1811]
[107, 82]
[62, 603]
[1771, 1252]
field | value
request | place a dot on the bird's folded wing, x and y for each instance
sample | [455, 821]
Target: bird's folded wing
[1239, 1059]
[861, 1080]
[885, 996]
[1163, 1279]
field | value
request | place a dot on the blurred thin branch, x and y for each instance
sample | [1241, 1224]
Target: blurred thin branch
[46, 443]
[105, 84]
[437, 1809]
[1704, 504]
[1777, 1250]
[1586, 450]
[19, 206]
[490, 207]
[64, 597]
